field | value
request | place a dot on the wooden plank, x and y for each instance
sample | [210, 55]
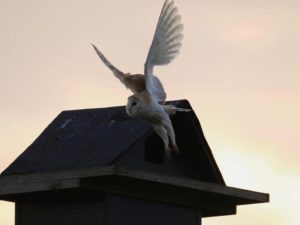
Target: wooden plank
[48, 181]
[195, 184]
[57, 175]
[55, 180]
[159, 193]
[39, 186]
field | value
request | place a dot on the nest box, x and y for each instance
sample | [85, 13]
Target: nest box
[100, 167]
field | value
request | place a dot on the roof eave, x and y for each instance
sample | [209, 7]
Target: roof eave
[212, 199]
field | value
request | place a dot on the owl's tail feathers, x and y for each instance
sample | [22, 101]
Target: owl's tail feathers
[172, 109]
[118, 74]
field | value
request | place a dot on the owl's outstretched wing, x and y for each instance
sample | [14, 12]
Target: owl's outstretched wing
[136, 82]
[118, 74]
[164, 48]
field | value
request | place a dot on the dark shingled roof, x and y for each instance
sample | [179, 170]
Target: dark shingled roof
[91, 154]
[88, 138]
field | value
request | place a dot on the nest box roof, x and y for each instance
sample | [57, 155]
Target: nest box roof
[94, 151]
[101, 137]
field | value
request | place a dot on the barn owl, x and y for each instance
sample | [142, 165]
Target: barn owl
[148, 99]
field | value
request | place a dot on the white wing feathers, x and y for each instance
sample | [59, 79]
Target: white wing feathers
[165, 46]
[119, 74]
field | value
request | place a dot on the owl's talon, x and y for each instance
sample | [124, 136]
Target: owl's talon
[175, 149]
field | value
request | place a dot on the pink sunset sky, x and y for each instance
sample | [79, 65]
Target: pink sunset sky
[239, 68]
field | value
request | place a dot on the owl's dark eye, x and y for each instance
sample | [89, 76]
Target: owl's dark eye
[133, 103]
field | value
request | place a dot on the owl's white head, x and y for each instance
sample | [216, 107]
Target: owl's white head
[133, 106]
[140, 106]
